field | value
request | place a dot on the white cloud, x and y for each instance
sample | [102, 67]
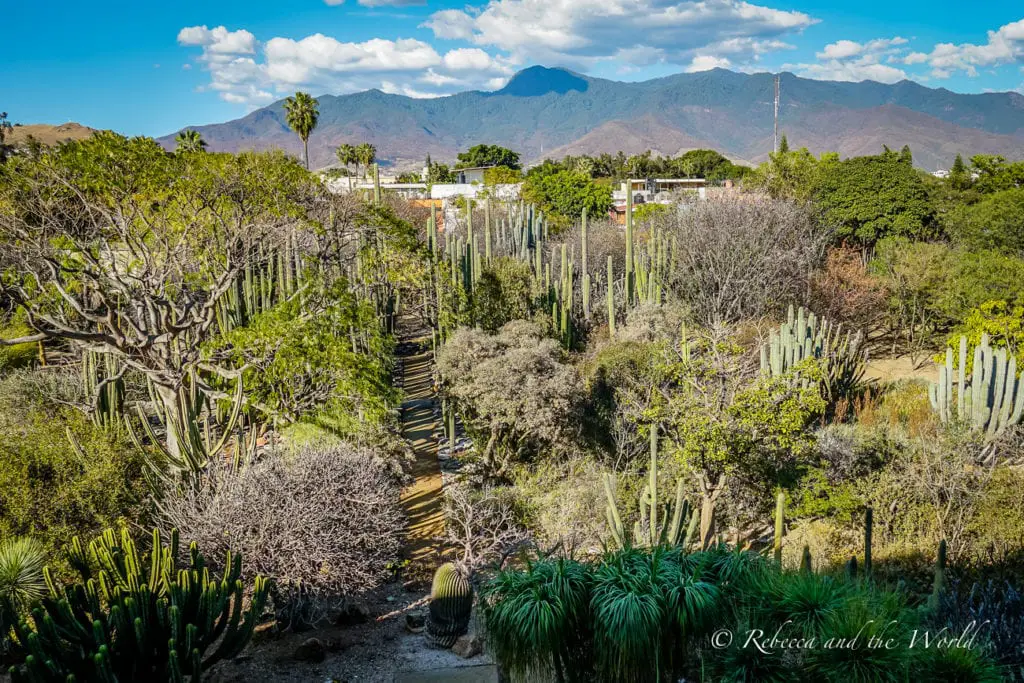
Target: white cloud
[1004, 46]
[451, 24]
[320, 64]
[334, 3]
[848, 60]
[218, 40]
[706, 63]
[581, 32]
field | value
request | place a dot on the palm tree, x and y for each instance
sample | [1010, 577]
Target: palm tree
[190, 141]
[347, 155]
[301, 114]
[367, 154]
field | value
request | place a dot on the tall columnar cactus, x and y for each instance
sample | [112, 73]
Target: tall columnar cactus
[103, 379]
[869, 523]
[654, 526]
[780, 523]
[585, 248]
[610, 295]
[630, 274]
[991, 400]
[451, 603]
[804, 336]
[130, 617]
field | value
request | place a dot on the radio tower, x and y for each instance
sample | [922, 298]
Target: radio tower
[776, 148]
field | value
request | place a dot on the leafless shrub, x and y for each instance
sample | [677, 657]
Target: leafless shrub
[324, 523]
[482, 524]
[742, 257]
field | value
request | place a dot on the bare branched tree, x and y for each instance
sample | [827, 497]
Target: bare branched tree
[324, 523]
[482, 524]
[742, 257]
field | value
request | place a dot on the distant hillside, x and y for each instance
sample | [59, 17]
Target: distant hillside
[49, 134]
[545, 112]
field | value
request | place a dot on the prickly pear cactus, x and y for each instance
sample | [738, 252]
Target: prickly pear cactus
[451, 602]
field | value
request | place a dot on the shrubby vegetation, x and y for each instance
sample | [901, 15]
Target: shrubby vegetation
[180, 328]
[731, 392]
[322, 522]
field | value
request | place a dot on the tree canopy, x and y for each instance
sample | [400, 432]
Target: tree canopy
[488, 155]
[872, 197]
[564, 195]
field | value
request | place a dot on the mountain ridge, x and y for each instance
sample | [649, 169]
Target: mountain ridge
[542, 110]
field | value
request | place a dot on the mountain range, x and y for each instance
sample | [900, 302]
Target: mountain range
[548, 113]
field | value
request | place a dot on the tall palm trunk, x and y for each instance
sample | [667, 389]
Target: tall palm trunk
[305, 151]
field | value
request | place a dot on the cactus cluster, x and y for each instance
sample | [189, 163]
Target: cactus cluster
[137, 618]
[567, 287]
[805, 336]
[451, 603]
[990, 400]
[274, 277]
[655, 527]
[103, 379]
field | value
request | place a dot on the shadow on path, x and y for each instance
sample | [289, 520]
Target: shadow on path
[422, 500]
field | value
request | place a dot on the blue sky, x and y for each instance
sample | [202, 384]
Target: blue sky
[154, 67]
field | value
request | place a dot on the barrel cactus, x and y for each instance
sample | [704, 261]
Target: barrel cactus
[988, 401]
[451, 602]
[133, 617]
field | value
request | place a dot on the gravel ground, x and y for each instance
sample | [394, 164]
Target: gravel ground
[374, 651]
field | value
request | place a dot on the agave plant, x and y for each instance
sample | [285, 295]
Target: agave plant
[21, 579]
[21, 571]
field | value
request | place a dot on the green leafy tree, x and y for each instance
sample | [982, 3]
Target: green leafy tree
[564, 195]
[790, 174]
[502, 175]
[698, 163]
[727, 431]
[366, 154]
[488, 155]
[503, 294]
[439, 173]
[959, 177]
[347, 156]
[306, 362]
[995, 222]
[188, 141]
[1002, 322]
[301, 114]
[546, 168]
[645, 212]
[869, 198]
[995, 173]
[49, 490]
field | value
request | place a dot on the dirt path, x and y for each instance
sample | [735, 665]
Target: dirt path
[421, 500]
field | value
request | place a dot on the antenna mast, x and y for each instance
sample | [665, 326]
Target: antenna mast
[776, 112]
